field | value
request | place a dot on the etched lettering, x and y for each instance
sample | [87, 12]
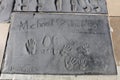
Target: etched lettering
[24, 68]
[44, 22]
[93, 29]
[23, 25]
[60, 22]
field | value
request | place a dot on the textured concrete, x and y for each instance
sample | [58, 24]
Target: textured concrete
[59, 44]
[58, 77]
[76, 6]
[5, 10]
[113, 7]
[4, 30]
[85, 6]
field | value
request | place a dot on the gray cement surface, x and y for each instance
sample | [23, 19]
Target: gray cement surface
[59, 44]
[6, 8]
[85, 6]
[69, 6]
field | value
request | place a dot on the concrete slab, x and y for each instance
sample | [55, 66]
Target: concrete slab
[59, 44]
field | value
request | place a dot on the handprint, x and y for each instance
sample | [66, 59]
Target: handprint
[71, 62]
[31, 46]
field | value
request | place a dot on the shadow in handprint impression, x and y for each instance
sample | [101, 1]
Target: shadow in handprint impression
[31, 46]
